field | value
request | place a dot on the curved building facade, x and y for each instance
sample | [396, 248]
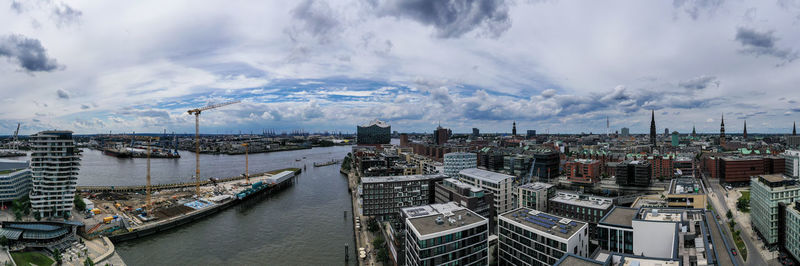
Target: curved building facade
[374, 133]
[54, 171]
[15, 180]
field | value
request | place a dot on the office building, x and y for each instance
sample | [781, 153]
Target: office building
[404, 140]
[471, 197]
[531, 237]
[546, 164]
[793, 141]
[625, 132]
[535, 195]
[583, 171]
[531, 133]
[476, 132]
[633, 173]
[517, 165]
[686, 193]
[676, 139]
[791, 233]
[54, 172]
[674, 234]
[15, 180]
[384, 196]
[740, 169]
[766, 192]
[454, 162]
[792, 163]
[499, 184]
[583, 207]
[445, 234]
[375, 132]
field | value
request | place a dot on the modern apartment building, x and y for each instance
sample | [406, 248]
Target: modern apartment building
[582, 207]
[676, 234]
[471, 197]
[791, 237]
[445, 234]
[54, 172]
[792, 167]
[457, 161]
[15, 180]
[766, 192]
[531, 237]
[535, 195]
[499, 184]
[384, 196]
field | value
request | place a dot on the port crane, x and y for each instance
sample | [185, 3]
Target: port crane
[246, 163]
[196, 112]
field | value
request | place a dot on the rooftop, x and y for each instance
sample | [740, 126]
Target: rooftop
[457, 183]
[554, 225]
[485, 175]
[685, 186]
[436, 218]
[620, 216]
[655, 215]
[776, 178]
[570, 259]
[375, 122]
[402, 178]
[536, 186]
[583, 200]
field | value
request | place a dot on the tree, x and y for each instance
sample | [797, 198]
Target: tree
[378, 242]
[372, 225]
[729, 214]
[383, 255]
[743, 205]
[57, 256]
[88, 262]
[79, 204]
[4, 241]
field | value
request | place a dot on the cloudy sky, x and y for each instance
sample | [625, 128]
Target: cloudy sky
[557, 66]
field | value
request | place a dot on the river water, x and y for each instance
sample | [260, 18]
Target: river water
[304, 224]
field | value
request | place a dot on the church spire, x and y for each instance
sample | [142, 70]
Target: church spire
[694, 132]
[744, 134]
[794, 128]
[514, 129]
[653, 128]
[722, 131]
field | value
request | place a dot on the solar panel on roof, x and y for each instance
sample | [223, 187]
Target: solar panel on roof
[563, 231]
[573, 223]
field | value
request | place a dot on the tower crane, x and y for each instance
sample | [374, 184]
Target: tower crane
[246, 163]
[196, 112]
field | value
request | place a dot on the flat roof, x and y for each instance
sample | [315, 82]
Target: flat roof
[774, 178]
[463, 185]
[570, 259]
[453, 219]
[400, 178]
[485, 175]
[589, 201]
[621, 216]
[544, 222]
[536, 186]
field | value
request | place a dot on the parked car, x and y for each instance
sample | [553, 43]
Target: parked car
[733, 250]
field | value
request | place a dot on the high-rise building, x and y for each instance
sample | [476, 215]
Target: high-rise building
[722, 131]
[375, 132]
[744, 133]
[666, 132]
[535, 195]
[653, 128]
[791, 232]
[531, 237]
[514, 129]
[454, 162]
[633, 173]
[499, 184]
[445, 234]
[476, 132]
[676, 139]
[441, 135]
[54, 171]
[531, 133]
[766, 192]
[404, 140]
[625, 132]
[15, 180]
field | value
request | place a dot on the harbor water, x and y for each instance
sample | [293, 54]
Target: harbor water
[302, 225]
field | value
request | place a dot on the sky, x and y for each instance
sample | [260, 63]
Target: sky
[551, 66]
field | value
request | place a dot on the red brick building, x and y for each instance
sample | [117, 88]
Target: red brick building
[585, 171]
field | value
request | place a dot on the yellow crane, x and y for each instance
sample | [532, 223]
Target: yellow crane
[246, 163]
[148, 188]
[196, 112]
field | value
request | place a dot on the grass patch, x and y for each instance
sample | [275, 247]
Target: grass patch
[746, 194]
[737, 238]
[31, 258]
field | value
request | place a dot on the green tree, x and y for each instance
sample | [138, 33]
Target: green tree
[4, 241]
[88, 262]
[79, 204]
[729, 214]
[57, 256]
[743, 205]
[378, 242]
[383, 255]
[372, 225]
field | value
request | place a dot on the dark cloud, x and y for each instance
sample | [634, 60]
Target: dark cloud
[694, 8]
[28, 53]
[63, 14]
[62, 94]
[762, 43]
[84, 107]
[700, 82]
[16, 6]
[316, 18]
[452, 18]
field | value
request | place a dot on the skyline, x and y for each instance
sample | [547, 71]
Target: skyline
[313, 65]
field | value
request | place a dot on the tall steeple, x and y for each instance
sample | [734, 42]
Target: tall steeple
[794, 128]
[694, 133]
[722, 131]
[744, 134]
[653, 128]
[514, 129]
